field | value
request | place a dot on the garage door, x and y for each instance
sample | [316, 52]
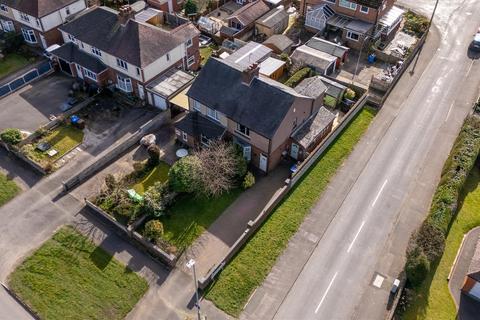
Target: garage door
[159, 102]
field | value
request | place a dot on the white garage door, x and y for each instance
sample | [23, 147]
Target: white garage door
[159, 102]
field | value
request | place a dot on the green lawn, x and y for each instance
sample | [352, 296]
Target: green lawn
[433, 300]
[190, 216]
[11, 63]
[70, 278]
[8, 189]
[253, 263]
[205, 53]
[63, 138]
[159, 173]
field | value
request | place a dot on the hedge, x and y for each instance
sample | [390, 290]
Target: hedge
[297, 77]
[427, 244]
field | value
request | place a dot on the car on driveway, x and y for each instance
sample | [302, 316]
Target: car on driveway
[476, 41]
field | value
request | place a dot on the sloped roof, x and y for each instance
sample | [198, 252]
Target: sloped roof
[137, 43]
[250, 53]
[313, 127]
[260, 106]
[308, 56]
[71, 53]
[250, 12]
[37, 8]
[194, 124]
[273, 17]
[311, 87]
[327, 46]
[280, 41]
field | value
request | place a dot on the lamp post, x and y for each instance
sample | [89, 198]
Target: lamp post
[191, 265]
[359, 56]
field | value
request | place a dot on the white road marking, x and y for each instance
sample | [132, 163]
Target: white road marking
[355, 238]
[326, 292]
[378, 281]
[449, 110]
[469, 68]
[379, 193]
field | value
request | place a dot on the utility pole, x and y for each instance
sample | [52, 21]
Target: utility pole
[426, 34]
[191, 265]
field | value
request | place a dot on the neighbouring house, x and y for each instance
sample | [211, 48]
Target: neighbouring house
[321, 62]
[124, 52]
[272, 68]
[257, 113]
[353, 22]
[471, 286]
[279, 43]
[314, 88]
[38, 20]
[331, 48]
[273, 22]
[170, 6]
[249, 54]
[241, 23]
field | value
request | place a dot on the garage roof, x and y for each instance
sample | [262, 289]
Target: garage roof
[170, 82]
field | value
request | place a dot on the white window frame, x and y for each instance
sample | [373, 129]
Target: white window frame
[28, 35]
[332, 1]
[245, 132]
[189, 43]
[124, 84]
[71, 38]
[184, 136]
[347, 4]
[8, 26]
[362, 9]
[122, 64]
[213, 114]
[96, 52]
[67, 11]
[89, 74]
[202, 142]
[190, 61]
[196, 105]
[350, 33]
[24, 17]
[4, 8]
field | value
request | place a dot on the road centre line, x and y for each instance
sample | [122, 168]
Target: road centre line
[355, 238]
[326, 292]
[379, 193]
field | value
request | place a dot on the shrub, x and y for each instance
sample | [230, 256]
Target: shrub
[184, 174]
[190, 7]
[297, 77]
[157, 199]
[153, 155]
[110, 182]
[153, 230]
[431, 240]
[417, 266]
[415, 24]
[12, 42]
[248, 181]
[349, 94]
[11, 136]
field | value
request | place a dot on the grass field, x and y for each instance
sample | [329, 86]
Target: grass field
[433, 300]
[8, 189]
[159, 173]
[253, 263]
[11, 63]
[70, 278]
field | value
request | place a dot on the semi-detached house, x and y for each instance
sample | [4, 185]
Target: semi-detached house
[105, 47]
[38, 20]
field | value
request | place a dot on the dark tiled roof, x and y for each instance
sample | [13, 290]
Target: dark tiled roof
[194, 124]
[313, 127]
[137, 43]
[37, 8]
[260, 106]
[71, 53]
[250, 12]
[273, 17]
[228, 31]
[311, 87]
[282, 42]
[327, 46]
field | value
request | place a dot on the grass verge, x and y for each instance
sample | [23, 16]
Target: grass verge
[70, 278]
[433, 299]
[11, 63]
[253, 263]
[8, 189]
[159, 173]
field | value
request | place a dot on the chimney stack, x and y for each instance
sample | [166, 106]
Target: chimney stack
[249, 73]
[125, 13]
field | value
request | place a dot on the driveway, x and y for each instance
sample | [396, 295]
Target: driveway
[31, 106]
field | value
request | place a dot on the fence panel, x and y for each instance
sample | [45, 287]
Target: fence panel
[4, 90]
[30, 76]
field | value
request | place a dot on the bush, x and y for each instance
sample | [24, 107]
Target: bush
[12, 42]
[415, 24]
[297, 77]
[417, 266]
[110, 182]
[431, 241]
[349, 94]
[153, 155]
[190, 7]
[11, 136]
[184, 174]
[248, 181]
[157, 199]
[153, 230]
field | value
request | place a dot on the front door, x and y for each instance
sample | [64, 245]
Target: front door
[79, 72]
[294, 151]
[263, 162]
[247, 152]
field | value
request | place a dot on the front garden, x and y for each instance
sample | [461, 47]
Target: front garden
[8, 189]
[172, 206]
[69, 277]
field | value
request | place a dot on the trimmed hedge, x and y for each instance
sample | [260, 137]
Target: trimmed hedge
[427, 244]
[297, 77]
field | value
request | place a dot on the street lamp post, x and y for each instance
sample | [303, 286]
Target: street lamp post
[359, 56]
[191, 265]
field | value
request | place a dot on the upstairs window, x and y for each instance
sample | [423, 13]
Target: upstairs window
[96, 52]
[67, 10]
[72, 38]
[189, 43]
[24, 17]
[4, 8]
[213, 114]
[347, 4]
[243, 130]
[168, 57]
[122, 64]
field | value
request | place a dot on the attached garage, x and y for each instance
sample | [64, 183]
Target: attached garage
[166, 87]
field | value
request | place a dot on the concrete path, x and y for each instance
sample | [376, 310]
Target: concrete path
[10, 308]
[468, 307]
[209, 249]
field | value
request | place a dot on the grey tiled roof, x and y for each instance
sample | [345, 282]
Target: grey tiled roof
[260, 106]
[311, 87]
[312, 128]
[37, 8]
[71, 53]
[327, 46]
[280, 41]
[137, 43]
[250, 12]
[273, 17]
[195, 124]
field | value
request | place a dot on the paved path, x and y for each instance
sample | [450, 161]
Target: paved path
[360, 227]
[10, 308]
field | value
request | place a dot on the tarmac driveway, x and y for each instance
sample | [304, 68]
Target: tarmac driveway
[30, 107]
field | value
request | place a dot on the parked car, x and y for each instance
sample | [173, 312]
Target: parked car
[48, 52]
[476, 41]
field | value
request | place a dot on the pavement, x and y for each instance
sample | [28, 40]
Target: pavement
[11, 307]
[468, 308]
[348, 251]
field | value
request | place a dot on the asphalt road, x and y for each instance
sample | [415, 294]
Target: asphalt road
[338, 280]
